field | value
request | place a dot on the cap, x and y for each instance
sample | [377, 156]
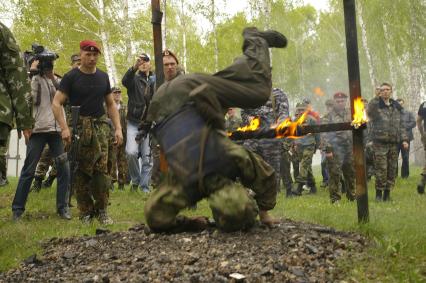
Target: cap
[167, 52]
[75, 57]
[340, 95]
[89, 45]
[144, 57]
[300, 106]
[306, 100]
[115, 89]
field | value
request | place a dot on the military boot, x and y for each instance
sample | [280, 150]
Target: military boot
[49, 181]
[378, 195]
[313, 189]
[103, 217]
[386, 195]
[120, 187]
[289, 192]
[421, 186]
[297, 191]
[272, 37]
[36, 187]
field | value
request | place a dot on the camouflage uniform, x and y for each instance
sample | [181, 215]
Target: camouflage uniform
[3, 162]
[117, 160]
[341, 163]
[211, 161]
[274, 111]
[422, 115]
[232, 123]
[14, 88]
[305, 148]
[387, 131]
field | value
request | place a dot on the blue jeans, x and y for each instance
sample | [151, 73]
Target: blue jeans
[35, 147]
[140, 174]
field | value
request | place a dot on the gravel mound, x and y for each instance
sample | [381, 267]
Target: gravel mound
[290, 252]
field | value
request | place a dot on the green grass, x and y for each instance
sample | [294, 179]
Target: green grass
[397, 230]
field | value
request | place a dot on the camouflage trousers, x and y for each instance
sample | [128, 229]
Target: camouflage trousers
[385, 165]
[3, 155]
[91, 181]
[117, 162]
[303, 157]
[232, 205]
[341, 163]
[270, 150]
[285, 169]
[44, 164]
[369, 160]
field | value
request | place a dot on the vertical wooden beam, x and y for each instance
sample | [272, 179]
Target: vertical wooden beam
[355, 91]
[157, 16]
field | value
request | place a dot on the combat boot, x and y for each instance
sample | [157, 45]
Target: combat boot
[386, 195]
[298, 190]
[378, 195]
[49, 181]
[3, 181]
[272, 37]
[120, 187]
[313, 189]
[288, 192]
[36, 187]
[421, 189]
[64, 214]
[103, 217]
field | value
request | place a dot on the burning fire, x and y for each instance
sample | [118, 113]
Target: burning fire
[360, 116]
[253, 126]
[318, 92]
[288, 129]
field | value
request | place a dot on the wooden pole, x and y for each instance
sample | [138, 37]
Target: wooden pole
[157, 16]
[355, 91]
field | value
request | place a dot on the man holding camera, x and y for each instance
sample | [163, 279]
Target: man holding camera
[89, 88]
[45, 131]
[140, 84]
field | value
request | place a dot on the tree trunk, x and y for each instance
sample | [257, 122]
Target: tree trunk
[267, 16]
[164, 24]
[216, 48]
[128, 31]
[183, 24]
[373, 79]
[390, 58]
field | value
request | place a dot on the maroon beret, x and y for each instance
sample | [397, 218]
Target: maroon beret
[167, 52]
[340, 95]
[89, 45]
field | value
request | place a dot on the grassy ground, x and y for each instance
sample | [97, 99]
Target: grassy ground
[396, 229]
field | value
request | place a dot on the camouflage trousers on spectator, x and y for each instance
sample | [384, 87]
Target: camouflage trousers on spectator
[270, 150]
[44, 164]
[3, 154]
[369, 160]
[285, 166]
[385, 165]
[341, 163]
[91, 182]
[117, 162]
[304, 155]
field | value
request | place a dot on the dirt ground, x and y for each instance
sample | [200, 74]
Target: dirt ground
[290, 252]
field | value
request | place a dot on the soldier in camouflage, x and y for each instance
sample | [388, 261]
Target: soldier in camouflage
[304, 150]
[117, 161]
[89, 88]
[3, 163]
[338, 150]
[421, 125]
[14, 88]
[387, 131]
[272, 113]
[189, 115]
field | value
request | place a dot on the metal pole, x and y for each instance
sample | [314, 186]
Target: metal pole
[157, 16]
[355, 91]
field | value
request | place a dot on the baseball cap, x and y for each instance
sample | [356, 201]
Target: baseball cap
[144, 57]
[115, 89]
[75, 57]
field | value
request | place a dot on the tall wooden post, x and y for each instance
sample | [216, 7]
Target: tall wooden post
[157, 16]
[355, 91]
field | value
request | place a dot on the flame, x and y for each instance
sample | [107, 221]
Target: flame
[318, 92]
[288, 129]
[253, 126]
[360, 116]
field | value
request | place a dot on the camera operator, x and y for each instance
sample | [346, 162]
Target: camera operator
[45, 131]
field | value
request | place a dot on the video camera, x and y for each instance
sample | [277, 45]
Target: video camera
[43, 55]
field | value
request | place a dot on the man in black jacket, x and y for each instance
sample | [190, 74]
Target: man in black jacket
[409, 122]
[140, 82]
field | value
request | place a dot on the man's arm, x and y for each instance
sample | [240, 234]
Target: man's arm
[58, 111]
[115, 118]
[420, 125]
[411, 123]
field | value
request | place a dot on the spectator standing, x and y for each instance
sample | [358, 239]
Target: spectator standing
[409, 122]
[421, 125]
[89, 88]
[140, 84]
[387, 132]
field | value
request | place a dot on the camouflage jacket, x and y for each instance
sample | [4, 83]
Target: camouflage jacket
[386, 121]
[14, 83]
[275, 110]
[332, 139]
[308, 140]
